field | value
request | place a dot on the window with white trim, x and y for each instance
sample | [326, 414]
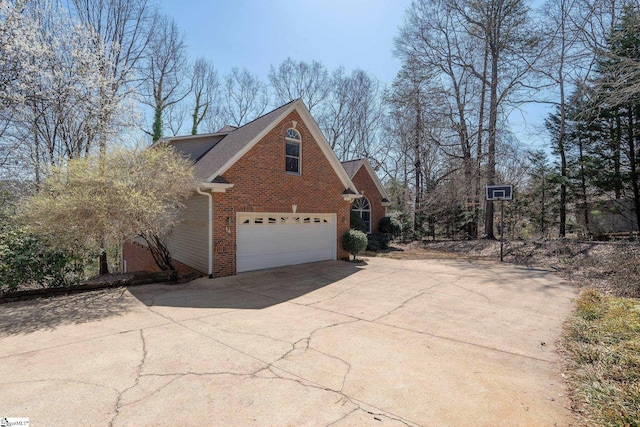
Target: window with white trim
[293, 143]
[362, 208]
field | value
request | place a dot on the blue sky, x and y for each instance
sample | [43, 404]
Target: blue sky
[256, 34]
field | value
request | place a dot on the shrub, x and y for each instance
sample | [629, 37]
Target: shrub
[373, 245]
[390, 225]
[378, 242]
[357, 223]
[354, 242]
[26, 260]
[407, 233]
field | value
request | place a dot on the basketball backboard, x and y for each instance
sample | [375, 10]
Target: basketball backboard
[500, 192]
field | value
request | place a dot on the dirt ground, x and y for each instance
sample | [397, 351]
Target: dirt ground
[609, 267]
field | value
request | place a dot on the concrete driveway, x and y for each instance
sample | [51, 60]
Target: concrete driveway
[384, 343]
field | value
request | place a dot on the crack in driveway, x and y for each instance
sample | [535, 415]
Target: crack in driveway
[139, 369]
[335, 353]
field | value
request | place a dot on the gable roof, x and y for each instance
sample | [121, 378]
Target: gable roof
[194, 149]
[219, 151]
[352, 167]
[237, 142]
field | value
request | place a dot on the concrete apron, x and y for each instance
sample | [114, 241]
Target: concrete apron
[333, 343]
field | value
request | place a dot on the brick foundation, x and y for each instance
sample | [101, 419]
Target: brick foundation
[138, 258]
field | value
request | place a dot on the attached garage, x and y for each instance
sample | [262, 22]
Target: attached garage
[266, 240]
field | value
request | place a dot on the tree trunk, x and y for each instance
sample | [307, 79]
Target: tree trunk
[583, 185]
[417, 221]
[157, 123]
[159, 252]
[491, 152]
[196, 115]
[561, 150]
[104, 264]
[617, 140]
[483, 92]
[632, 163]
[543, 205]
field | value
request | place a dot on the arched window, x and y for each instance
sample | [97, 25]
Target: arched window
[362, 208]
[293, 143]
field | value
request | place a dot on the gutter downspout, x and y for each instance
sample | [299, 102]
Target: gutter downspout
[210, 196]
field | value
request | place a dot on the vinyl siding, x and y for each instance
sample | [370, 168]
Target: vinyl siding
[188, 242]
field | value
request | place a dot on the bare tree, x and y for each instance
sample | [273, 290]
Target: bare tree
[206, 93]
[350, 118]
[420, 109]
[245, 97]
[164, 71]
[513, 49]
[293, 80]
[407, 100]
[121, 30]
[431, 37]
[175, 117]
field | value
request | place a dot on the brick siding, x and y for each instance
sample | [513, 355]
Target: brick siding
[365, 185]
[262, 185]
[138, 258]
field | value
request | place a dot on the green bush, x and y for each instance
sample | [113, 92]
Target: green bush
[354, 242]
[378, 242]
[357, 223]
[26, 261]
[373, 245]
[390, 225]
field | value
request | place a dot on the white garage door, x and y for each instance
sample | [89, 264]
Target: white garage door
[266, 240]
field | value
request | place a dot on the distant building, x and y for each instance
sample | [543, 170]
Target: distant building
[608, 216]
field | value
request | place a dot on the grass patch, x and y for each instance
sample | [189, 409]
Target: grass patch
[602, 342]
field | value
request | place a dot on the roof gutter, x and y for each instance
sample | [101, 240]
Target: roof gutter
[210, 239]
[216, 187]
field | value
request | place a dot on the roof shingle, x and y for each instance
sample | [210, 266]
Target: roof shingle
[352, 166]
[234, 142]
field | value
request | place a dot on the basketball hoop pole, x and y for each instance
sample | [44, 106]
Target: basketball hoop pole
[501, 226]
[500, 192]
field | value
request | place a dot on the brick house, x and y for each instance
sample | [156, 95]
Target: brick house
[271, 193]
[372, 206]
